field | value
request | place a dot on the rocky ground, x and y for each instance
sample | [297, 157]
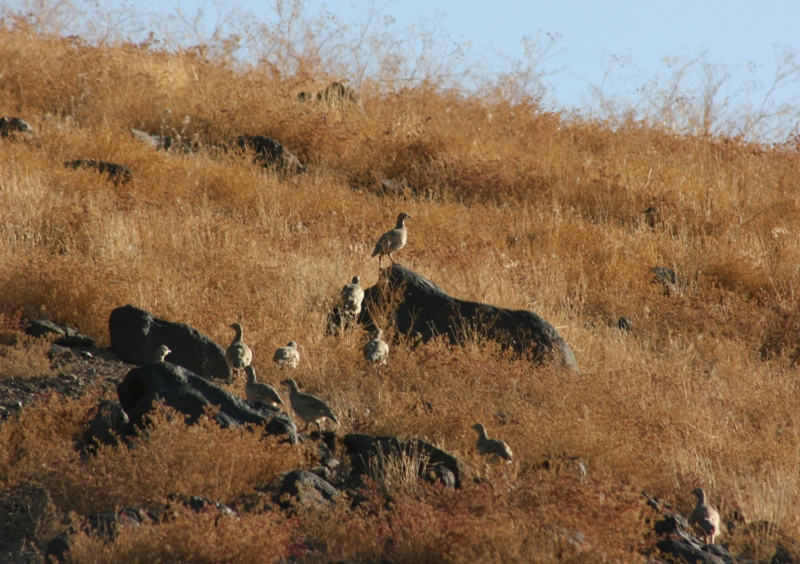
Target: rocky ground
[32, 525]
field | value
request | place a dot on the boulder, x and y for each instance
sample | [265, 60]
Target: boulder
[421, 309]
[301, 488]
[117, 173]
[10, 126]
[136, 335]
[270, 152]
[66, 336]
[370, 453]
[190, 394]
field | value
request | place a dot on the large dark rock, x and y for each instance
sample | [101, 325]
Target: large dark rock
[66, 336]
[190, 394]
[136, 335]
[371, 453]
[685, 551]
[422, 309]
[116, 173]
[270, 152]
[301, 488]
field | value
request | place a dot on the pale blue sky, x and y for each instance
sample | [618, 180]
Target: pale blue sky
[742, 35]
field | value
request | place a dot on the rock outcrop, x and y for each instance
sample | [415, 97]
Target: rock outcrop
[190, 394]
[136, 335]
[269, 152]
[420, 308]
[371, 453]
[65, 336]
[116, 173]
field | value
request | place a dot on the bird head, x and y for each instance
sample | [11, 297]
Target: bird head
[289, 383]
[236, 326]
[479, 427]
[162, 352]
[292, 345]
[700, 494]
[356, 280]
[402, 217]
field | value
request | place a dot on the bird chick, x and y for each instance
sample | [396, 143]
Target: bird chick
[259, 391]
[310, 409]
[351, 298]
[704, 519]
[376, 351]
[287, 356]
[238, 354]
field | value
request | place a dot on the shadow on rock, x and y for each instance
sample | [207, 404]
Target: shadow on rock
[371, 454]
[136, 335]
[143, 387]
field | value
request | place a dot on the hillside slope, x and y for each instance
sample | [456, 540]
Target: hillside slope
[511, 206]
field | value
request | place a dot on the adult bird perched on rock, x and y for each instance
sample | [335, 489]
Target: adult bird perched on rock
[287, 356]
[258, 391]
[310, 409]
[376, 351]
[238, 354]
[352, 296]
[492, 447]
[161, 353]
[704, 519]
[392, 241]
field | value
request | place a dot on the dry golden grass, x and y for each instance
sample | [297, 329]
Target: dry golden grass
[519, 208]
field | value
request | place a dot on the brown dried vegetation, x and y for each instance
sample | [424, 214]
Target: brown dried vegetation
[514, 206]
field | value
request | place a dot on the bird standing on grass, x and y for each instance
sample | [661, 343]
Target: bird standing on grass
[704, 519]
[161, 353]
[376, 351]
[287, 356]
[238, 354]
[392, 241]
[352, 296]
[492, 447]
[309, 408]
[258, 391]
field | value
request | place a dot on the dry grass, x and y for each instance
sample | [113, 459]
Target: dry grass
[518, 208]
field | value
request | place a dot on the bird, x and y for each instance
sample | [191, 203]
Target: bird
[352, 296]
[493, 447]
[161, 353]
[287, 356]
[258, 391]
[376, 351]
[704, 519]
[238, 354]
[309, 408]
[392, 241]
